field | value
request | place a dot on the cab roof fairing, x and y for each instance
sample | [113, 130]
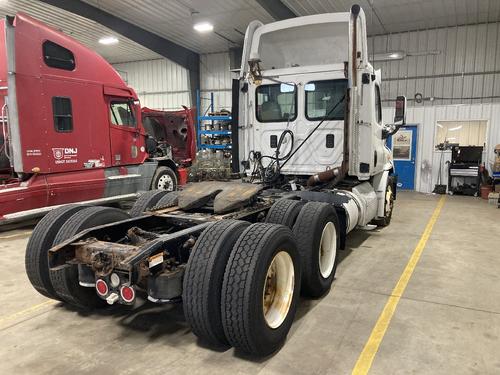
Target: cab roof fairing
[328, 32]
[90, 66]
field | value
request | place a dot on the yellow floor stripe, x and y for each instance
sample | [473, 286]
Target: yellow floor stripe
[366, 357]
[26, 311]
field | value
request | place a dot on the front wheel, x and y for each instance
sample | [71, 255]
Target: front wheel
[164, 179]
[388, 204]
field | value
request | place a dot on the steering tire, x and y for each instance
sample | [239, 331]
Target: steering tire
[388, 204]
[164, 179]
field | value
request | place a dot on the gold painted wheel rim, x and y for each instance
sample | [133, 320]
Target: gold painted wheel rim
[278, 290]
[327, 250]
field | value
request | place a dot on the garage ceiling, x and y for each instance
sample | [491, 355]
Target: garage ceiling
[86, 31]
[173, 19]
[393, 16]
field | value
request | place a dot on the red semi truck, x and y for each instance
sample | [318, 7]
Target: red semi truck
[72, 130]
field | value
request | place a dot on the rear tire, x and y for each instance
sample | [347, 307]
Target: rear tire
[317, 233]
[66, 281]
[146, 201]
[204, 276]
[41, 240]
[264, 264]
[170, 199]
[164, 179]
[285, 212]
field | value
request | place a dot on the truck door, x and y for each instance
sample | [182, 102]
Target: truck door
[127, 137]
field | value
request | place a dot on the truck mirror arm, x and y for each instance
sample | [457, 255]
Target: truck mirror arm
[390, 129]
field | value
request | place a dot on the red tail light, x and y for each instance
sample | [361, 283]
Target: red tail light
[127, 293]
[101, 287]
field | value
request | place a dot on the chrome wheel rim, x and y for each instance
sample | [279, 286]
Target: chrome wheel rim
[327, 249]
[278, 290]
[165, 182]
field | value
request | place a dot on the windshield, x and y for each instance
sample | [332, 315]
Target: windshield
[322, 96]
[276, 103]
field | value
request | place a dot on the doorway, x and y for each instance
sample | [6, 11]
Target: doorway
[404, 152]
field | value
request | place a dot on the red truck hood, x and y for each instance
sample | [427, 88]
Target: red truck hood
[174, 127]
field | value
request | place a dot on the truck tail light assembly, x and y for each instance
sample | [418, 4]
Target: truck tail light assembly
[127, 293]
[101, 287]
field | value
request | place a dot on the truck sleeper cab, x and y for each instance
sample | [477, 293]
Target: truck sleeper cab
[239, 253]
[71, 128]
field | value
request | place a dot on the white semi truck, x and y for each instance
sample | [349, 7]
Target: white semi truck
[313, 165]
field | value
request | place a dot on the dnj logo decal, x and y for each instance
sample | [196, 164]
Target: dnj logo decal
[65, 155]
[58, 153]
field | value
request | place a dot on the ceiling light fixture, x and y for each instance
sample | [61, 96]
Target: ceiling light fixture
[203, 27]
[108, 40]
[388, 56]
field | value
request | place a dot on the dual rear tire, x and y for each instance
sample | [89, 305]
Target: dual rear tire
[243, 281]
[56, 227]
[242, 285]
[316, 228]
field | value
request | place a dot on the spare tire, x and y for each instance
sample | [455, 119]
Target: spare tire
[66, 281]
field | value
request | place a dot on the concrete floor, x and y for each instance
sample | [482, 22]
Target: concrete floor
[447, 322]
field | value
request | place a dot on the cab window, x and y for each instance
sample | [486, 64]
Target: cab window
[276, 103]
[122, 113]
[57, 56]
[63, 116]
[322, 97]
[378, 104]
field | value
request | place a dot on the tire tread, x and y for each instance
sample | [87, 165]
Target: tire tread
[199, 279]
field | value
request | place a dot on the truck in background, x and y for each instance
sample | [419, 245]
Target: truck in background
[72, 130]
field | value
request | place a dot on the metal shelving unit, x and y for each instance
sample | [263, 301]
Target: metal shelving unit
[204, 115]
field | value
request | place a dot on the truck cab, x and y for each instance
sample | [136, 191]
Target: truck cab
[298, 72]
[71, 127]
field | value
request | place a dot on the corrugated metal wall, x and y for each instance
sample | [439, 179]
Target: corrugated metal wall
[160, 84]
[451, 65]
[467, 64]
[215, 77]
